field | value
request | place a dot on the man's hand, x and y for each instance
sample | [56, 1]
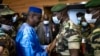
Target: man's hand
[1, 50]
[48, 48]
[51, 46]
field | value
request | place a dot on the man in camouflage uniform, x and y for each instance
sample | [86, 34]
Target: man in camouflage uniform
[94, 37]
[84, 31]
[69, 34]
[6, 42]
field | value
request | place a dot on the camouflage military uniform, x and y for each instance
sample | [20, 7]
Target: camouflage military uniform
[8, 44]
[68, 38]
[94, 38]
[13, 33]
[85, 46]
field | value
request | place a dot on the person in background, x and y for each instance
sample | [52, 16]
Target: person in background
[68, 36]
[94, 36]
[85, 28]
[8, 20]
[27, 41]
[15, 18]
[85, 31]
[55, 25]
[24, 15]
[18, 21]
[44, 31]
[55, 30]
[1, 44]
[7, 44]
[82, 24]
[22, 19]
[80, 16]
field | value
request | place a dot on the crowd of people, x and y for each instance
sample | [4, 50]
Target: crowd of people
[53, 36]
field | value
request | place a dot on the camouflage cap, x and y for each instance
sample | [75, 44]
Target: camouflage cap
[93, 3]
[58, 7]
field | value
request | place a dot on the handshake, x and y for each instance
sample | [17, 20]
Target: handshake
[51, 46]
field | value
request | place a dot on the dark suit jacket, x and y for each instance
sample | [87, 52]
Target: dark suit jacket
[41, 34]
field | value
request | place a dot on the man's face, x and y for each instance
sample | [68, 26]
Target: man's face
[58, 14]
[95, 16]
[34, 19]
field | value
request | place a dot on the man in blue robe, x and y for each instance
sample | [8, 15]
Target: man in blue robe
[27, 42]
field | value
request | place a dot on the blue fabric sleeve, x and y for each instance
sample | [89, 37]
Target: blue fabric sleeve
[27, 45]
[30, 45]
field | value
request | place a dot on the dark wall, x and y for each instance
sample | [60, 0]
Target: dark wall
[1, 1]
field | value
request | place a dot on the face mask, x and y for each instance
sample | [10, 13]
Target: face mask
[88, 17]
[55, 20]
[84, 23]
[6, 27]
[79, 18]
[92, 21]
[14, 19]
[45, 22]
